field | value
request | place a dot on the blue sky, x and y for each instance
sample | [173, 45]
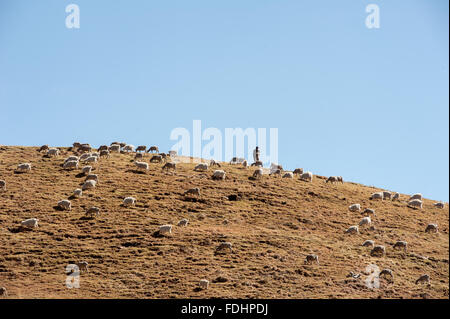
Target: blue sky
[368, 104]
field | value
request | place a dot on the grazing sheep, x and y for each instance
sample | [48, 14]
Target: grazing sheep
[378, 195]
[115, 148]
[257, 174]
[401, 244]
[138, 156]
[86, 170]
[103, 148]
[76, 145]
[276, 172]
[423, 279]
[307, 177]
[84, 156]
[169, 165]
[141, 165]
[204, 284]
[128, 148]
[225, 245]
[387, 195]
[439, 205]
[173, 153]
[93, 177]
[193, 191]
[71, 165]
[218, 175]
[91, 159]
[368, 243]
[340, 179]
[237, 160]
[288, 175]
[416, 196]
[183, 222]
[153, 149]
[89, 184]
[201, 167]
[369, 211]
[312, 258]
[332, 179]
[104, 153]
[378, 250]
[2, 185]
[71, 158]
[65, 204]
[24, 167]
[352, 230]
[77, 193]
[129, 201]
[257, 164]
[386, 272]
[431, 228]
[165, 229]
[84, 148]
[415, 203]
[298, 171]
[82, 266]
[43, 148]
[156, 159]
[141, 148]
[30, 223]
[354, 208]
[214, 163]
[53, 152]
[396, 196]
[122, 145]
[93, 211]
[365, 221]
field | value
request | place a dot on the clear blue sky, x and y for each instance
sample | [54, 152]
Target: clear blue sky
[371, 105]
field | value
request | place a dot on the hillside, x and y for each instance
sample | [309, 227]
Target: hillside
[273, 225]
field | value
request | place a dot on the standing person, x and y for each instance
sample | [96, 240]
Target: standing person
[256, 154]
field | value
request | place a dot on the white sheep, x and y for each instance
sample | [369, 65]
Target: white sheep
[201, 167]
[24, 167]
[30, 223]
[141, 165]
[307, 177]
[439, 205]
[401, 244]
[84, 156]
[225, 245]
[129, 201]
[368, 243]
[165, 229]
[431, 228]
[378, 195]
[183, 222]
[71, 158]
[193, 191]
[352, 230]
[93, 211]
[416, 196]
[288, 175]
[89, 184]
[128, 148]
[92, 177]
[258, 173]
[369, 211]
[53, 152]
[86, 170]
[365, 221]
[78, 192]
[91, 159]
[387, 195]
[204, 283]
[378, 250]
[218, 174]
[115, 148]
[65, 204]
[354, 207]
[71, 165]
[415, 203]
[298, 171]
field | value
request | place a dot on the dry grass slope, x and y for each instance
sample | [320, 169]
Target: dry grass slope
[273, 225]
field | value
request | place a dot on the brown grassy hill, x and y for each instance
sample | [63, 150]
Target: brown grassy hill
[273, 225]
